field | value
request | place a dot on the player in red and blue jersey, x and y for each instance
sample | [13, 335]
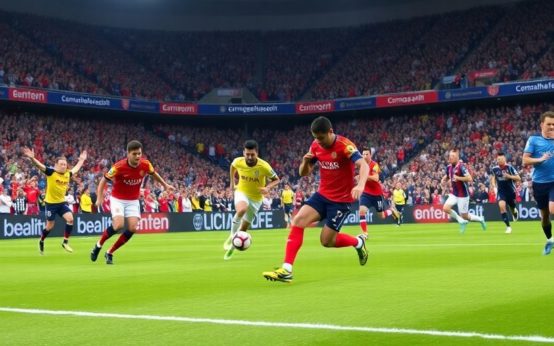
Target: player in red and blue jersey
[337, 157]
[459, 177]
[503, 177]
[373, 194]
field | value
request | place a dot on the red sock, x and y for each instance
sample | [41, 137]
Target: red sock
[123, 238]
[294, 242]
[363, 223]
[344, 240]
[108, 232]
[388, 212]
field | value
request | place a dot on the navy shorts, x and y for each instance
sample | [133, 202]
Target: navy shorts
[288, 208]
[399, 207]
[334, 212]
[507, 196]
[543, 193]
[53, 209]
[377, 202]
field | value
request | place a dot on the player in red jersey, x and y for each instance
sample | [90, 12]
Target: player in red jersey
[373, 194]
[337, 156]
[126, 176]
[32, 192]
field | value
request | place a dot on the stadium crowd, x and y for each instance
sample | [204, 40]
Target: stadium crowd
[379, 58]
[410, 149]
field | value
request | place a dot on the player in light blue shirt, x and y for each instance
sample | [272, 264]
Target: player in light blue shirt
[539, 152]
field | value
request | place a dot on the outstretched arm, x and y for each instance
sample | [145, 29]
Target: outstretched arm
[160, 180]
[30, 154]
[79, 164]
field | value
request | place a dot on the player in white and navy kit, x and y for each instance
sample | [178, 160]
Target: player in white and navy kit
[503, 177]
[459, 177]
[538, 152]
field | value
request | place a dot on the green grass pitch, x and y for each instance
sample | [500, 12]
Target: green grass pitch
[421, 277]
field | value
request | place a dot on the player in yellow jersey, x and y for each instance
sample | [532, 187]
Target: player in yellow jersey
[399, 201]
[252, 173]
[57, 184]
[287, 199]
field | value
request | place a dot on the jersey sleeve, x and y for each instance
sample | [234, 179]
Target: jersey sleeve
[376, 169]
[512, 170]
[351, 151]
[49, 171]
[464, 170]
[313, 151]
[235, 162]
[530, 145]
[111, 173]
[149, 168]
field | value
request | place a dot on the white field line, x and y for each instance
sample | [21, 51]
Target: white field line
[454, 334]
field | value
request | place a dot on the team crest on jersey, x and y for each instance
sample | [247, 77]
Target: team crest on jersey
[334, 154]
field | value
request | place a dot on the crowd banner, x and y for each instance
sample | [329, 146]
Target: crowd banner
[72, 99]
[21, 226]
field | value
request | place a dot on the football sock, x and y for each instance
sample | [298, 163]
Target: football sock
[505, 219]
[123, 238]
[388, 212]
[475, 218]
[344, 240]
[363, 223]
[44, 234]
[547, 231]
[294, 242]
[236, 224]
[455, 216]
[107, 234]
[67, 233]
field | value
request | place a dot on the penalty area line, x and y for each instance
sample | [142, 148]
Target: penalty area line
[455, 334]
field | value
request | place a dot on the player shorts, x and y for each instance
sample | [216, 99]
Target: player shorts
[334, 212]
[253, 206]
[543, 193]
[461, 202]
[507, 196]
[53, 209]
[399, 207]
[125, 208]
[377, 202]
[288, 208]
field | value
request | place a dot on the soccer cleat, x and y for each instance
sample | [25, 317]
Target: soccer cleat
[229, 253]
[279, 274]
[483, 224]
[548, 248]
[94, 253]
[515, 215]
[228, 243]
[365, 235]
[362, 251]
[109, 258]
[508, 230]
[67, 248]
[463, 225]
[41, 247]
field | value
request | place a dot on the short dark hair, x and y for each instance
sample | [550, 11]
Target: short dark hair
[133, 145]
[321, 125]
[251, 144]
[61, 158]
[500, 153]
[549, 114]
[366, 149]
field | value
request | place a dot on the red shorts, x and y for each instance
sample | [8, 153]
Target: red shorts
[32, 209]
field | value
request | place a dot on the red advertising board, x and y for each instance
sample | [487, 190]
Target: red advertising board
[28, 95]
[407, 99]
[178, 108]
[315, 107]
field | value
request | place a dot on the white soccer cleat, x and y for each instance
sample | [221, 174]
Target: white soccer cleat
[508, 230]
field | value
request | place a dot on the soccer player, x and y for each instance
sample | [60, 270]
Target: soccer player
[337, 156]
[252, 173]
[287, 199]
[399, 200]
[373, 194]
[503, 177]
[126, 176]
[459, 177]
[57, 184]
[538, 153]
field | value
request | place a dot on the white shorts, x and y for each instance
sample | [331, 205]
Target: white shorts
[253, 206]
[125, 208]
[462, 202]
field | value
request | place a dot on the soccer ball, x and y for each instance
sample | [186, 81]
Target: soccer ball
[242, 240]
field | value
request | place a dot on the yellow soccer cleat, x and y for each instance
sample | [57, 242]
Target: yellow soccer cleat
[279, 274]
[67, 248]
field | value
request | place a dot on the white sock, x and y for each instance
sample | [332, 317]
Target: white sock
[360, 243]
[98, 244]
[455, 215]
[287, 267]
[551, 240]
[236, 224]
[475, 218]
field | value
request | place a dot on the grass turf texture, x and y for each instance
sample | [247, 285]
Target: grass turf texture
[425, 277]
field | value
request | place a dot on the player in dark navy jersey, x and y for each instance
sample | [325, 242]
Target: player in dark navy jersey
[503, 178]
